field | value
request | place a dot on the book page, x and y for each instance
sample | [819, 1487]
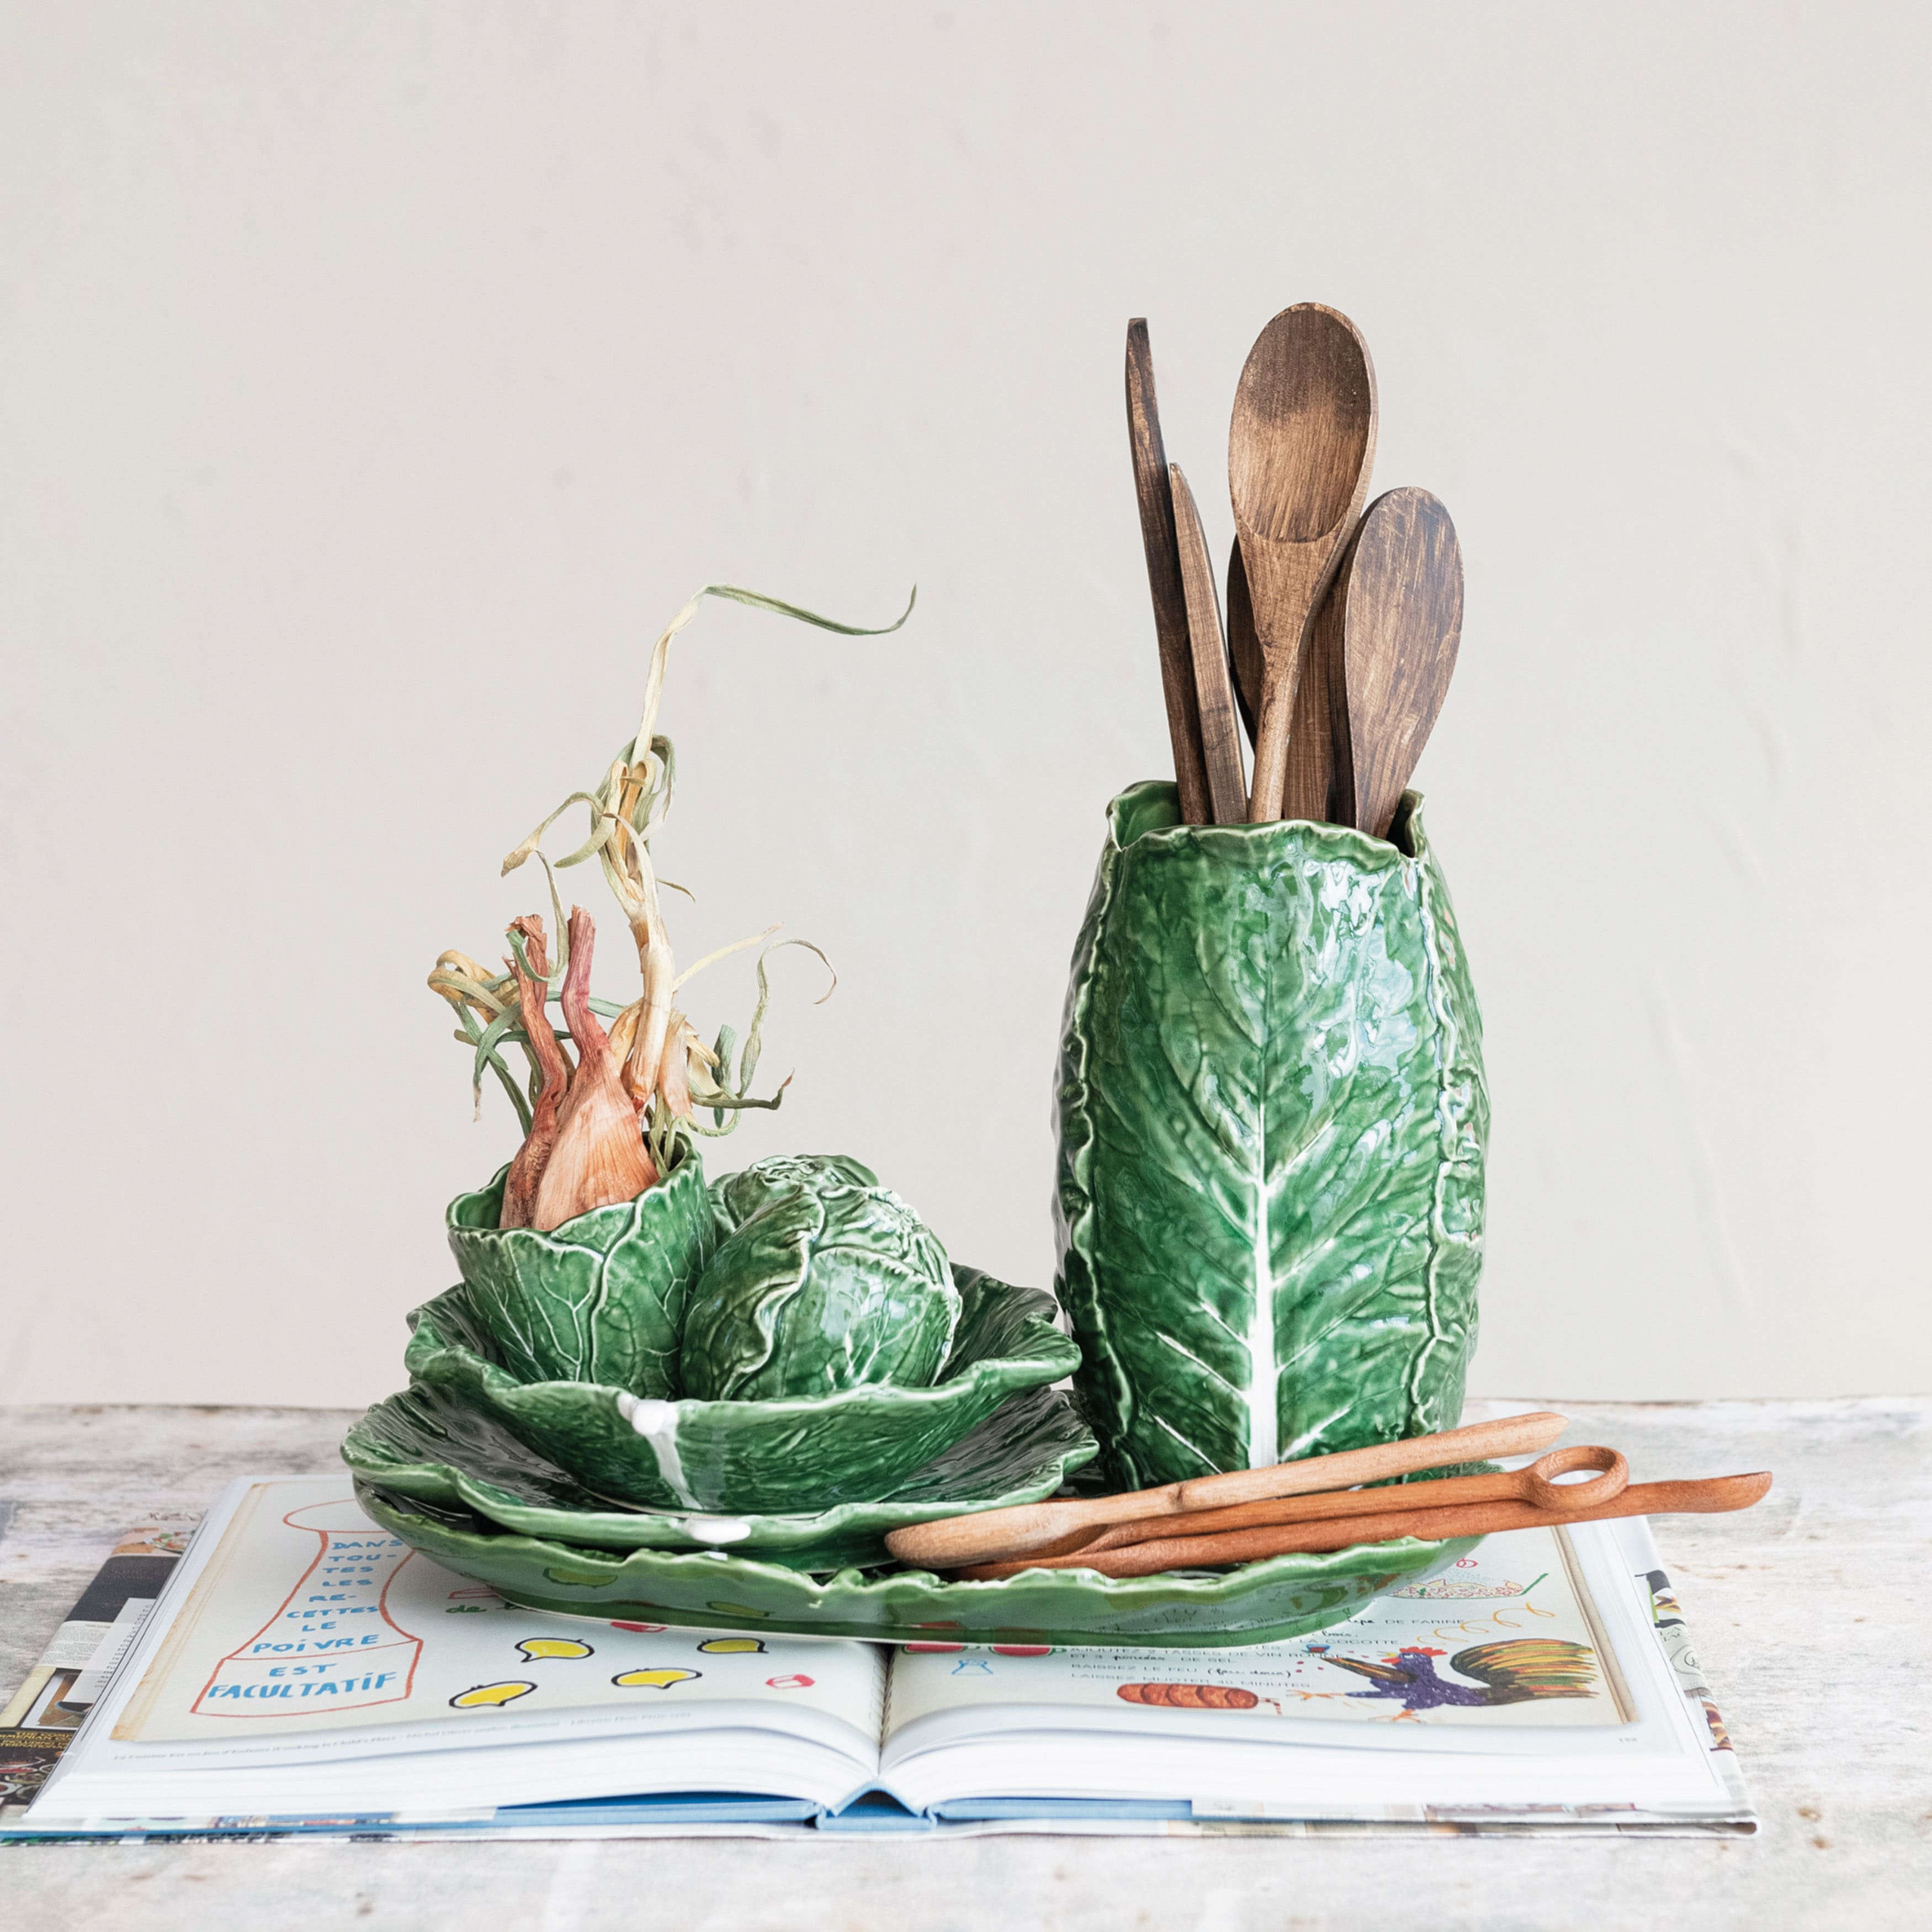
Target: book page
[308, 1620]
[1507, 1640]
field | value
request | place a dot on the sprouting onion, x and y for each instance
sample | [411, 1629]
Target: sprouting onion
[582, 1149]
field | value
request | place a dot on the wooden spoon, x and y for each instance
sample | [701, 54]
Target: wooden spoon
[1000, 1533]
[1163, 563]
[1536, 1484]
[1213, 689]
[1299, 449]
[1387, 641]
[1713, 1496]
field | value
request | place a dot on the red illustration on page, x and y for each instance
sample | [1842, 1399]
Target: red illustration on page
[333, 1644]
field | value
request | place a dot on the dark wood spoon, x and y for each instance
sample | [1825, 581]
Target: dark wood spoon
[1387, 642]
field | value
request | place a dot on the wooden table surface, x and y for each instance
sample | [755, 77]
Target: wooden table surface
[1810, 1612]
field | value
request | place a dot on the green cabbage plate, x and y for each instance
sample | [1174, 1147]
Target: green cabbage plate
[806, 1453]
[421, 1446]
[1278, 1597]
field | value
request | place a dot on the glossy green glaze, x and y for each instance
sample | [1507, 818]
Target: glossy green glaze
[600, 1299]
[773, 1457]
[1258, 1603]
[420, 1446]
[1271, 1116]
[826, 1282]
[737, 1197]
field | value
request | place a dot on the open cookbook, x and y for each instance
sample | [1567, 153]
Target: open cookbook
[303, 1670]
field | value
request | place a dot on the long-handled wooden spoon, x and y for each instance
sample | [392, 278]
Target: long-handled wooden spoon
[1387, 641]
[1213, 689]
[1536, 1484]
[1000, 1533]
[1300, 448]
[1712, 1496]
[1163, 563]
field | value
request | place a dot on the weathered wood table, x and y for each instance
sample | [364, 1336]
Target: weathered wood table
[1811, 1612]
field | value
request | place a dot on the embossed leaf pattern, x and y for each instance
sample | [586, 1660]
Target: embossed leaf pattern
[1271, 1117]
[737, 1197]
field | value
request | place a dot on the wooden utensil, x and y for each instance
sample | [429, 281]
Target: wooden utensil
[1170, 605]
[1320, 719]
[1299, 449]
[1213, 689]
[1535, 1485]
[1387, 644]
[994, 1534]
[1244, 648]
[1711, 1496]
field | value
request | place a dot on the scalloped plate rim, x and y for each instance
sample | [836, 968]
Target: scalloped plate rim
[1411, 1558]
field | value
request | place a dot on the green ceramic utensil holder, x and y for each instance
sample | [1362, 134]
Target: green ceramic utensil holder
[1271, 1117]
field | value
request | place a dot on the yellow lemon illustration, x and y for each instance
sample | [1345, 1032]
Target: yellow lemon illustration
[729, 1646]
[661, 1678]
[534, 1647]
[490, 1696]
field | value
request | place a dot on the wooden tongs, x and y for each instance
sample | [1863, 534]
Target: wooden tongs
[1304, 1506]
[995, 1535]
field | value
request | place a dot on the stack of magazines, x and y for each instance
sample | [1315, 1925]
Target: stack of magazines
[301, 1671]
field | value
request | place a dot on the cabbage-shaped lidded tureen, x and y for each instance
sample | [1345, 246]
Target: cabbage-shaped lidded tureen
[824, 1281]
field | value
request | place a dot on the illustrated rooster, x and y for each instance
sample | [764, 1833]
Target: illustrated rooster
[1515, 1671]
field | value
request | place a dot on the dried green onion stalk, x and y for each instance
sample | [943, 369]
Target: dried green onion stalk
[603, 1128]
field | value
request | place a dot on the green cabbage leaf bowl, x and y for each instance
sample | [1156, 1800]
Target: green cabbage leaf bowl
[805, 1453]
[423, 1447]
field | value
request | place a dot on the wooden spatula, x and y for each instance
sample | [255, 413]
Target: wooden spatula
[1390, 630]
[1300, 448]
[1170, 604]
[1213, 688]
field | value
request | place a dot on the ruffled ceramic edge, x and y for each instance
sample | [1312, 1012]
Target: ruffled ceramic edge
[1120, 1593]
[1055, 1355]
[767, 1530]
[1376, 854]
[689, 1166]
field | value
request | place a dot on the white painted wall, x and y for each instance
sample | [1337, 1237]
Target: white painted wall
[376, 378]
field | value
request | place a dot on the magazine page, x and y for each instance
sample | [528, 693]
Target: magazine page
[54, 1696]
[1507, 1640]
[302, 1631]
